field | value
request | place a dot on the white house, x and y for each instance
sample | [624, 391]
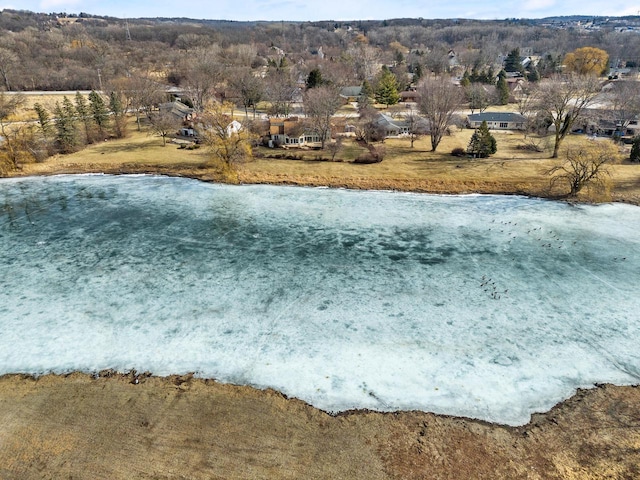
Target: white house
[498, 120]
[291, 131]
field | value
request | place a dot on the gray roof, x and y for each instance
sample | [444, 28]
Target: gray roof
[497, 117]
[388, 121]
[176, 107]
[351, 91]
[398, 123]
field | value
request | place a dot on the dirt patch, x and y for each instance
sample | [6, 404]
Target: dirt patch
[128, 426]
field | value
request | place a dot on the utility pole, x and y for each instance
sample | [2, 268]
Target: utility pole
[126, 24]
[100, 79]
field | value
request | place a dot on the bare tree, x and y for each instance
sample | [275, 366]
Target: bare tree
[524, 99]
[583, 166]
[478, 96]
[624, 101]
[164, 124]
[365, 60]
[203, 74]
[249, 88]
[141, 93]
[320, 104]
[190, 41]
[416, 126]
[10, 150]
[281, 91]
[335, 147]
[562, 99]
[229, 143]
[7, 62]
[438, 99]
[19, 146]
[368, 128]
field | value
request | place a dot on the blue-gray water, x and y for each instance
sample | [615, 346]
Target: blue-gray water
[481, 306]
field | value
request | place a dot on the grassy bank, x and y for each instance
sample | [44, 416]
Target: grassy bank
[510, 170]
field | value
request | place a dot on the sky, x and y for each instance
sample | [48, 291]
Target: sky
[311, 10]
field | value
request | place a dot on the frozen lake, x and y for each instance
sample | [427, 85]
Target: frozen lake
[488, 307]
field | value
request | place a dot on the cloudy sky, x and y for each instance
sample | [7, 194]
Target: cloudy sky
[329, 9]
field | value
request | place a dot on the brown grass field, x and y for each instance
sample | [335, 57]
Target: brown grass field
[510, 171]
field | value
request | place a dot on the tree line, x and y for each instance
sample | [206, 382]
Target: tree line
[445, 66]
[54, 52]
[67, 127]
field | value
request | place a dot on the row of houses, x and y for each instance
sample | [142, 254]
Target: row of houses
[291, 131]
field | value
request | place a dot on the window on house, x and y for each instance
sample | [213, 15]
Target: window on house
[504, 124]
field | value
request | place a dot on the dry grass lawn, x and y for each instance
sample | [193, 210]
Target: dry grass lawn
[47, 99]
[510, 170]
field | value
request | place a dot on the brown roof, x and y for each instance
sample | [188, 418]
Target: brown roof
[280, 126]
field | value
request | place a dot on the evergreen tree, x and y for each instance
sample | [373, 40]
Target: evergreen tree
[387, 88]
[99, 111]
[635, 149]
[44, 121]
[533, 75]
[474, 76]
[417, 72]
[465, 81]
[490, 76]
[512, 63]
[65, 123]
[502, 88]
[84, 115]
[314, 79]
[364, 100]
[549, 65]
[367, 89]
[482, 143]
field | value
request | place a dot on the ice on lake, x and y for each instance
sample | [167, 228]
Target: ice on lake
[487, 307]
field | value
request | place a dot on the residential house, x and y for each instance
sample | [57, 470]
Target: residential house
[351, 94]
[452, 59]
[398, 127]
[602, 121]
[409, 96]
[290, 131]
[392, 127]
[318, 53]
[516, 86]
[498, 120]
[183, 113]
[234, 127]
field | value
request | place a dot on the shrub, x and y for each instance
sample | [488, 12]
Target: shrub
[374, 155]
[458, 152]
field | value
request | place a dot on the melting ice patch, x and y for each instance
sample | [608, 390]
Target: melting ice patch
[480, 306]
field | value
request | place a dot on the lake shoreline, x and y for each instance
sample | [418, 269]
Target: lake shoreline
[163, 427]
[399, 185]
